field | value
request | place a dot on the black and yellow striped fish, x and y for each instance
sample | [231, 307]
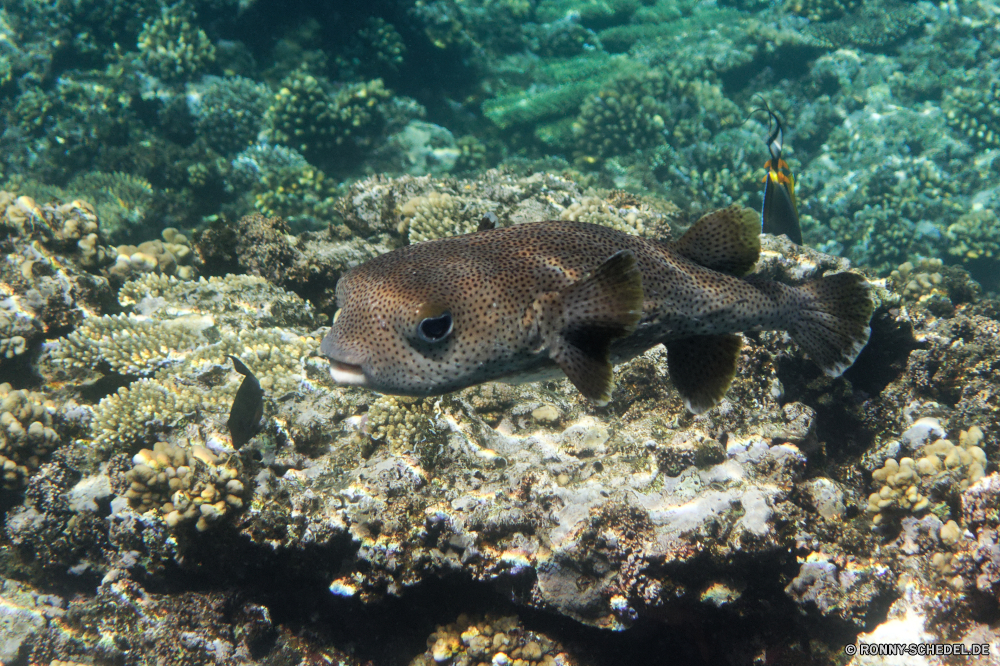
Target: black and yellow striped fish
[779, 215]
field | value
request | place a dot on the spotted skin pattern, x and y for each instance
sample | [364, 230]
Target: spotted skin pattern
[493, 282]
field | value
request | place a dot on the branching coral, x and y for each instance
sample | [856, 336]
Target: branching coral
[974, 111]
[180, 343]
[439, 214]
[326, 126]
[229, 113]
[172, 47]
[627, 115]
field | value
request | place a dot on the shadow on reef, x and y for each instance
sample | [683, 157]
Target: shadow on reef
[293, 587]
[840, 403]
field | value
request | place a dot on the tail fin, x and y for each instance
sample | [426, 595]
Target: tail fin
[832, 324]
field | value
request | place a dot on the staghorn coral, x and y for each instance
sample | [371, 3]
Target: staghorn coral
[185, 485]
[26, 434]
[939, 471]
[172, 47]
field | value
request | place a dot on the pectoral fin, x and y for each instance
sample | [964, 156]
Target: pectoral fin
[702, 367]
[586, 317]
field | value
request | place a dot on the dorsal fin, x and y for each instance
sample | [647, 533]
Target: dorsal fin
[726, 240]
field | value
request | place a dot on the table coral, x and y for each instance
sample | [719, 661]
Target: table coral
[187, 331]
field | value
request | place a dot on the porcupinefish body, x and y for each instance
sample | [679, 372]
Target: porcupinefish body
[543, 299]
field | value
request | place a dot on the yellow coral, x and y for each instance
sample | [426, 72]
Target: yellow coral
[184, 484]
[26, 434]
[906, 484]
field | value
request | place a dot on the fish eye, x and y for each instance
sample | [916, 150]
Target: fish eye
[435, 329]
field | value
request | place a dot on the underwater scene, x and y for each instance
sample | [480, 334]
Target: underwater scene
[500, 333]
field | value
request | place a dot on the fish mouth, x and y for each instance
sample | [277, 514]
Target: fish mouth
[347, 374]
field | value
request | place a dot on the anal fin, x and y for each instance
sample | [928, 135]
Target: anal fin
[586, 317]
[702, 367]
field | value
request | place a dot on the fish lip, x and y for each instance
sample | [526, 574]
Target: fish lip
[347, 374]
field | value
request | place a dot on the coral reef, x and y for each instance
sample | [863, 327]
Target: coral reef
[172, 47]
[491, 640]
[26, 434]
[802, 513]
[940, 473]
[184, 485]
[229, 112]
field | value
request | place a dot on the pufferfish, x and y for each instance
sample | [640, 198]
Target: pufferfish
[545, 299]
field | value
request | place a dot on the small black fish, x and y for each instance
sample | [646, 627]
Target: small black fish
[779, 214]
[488, 221]
[248, 407]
